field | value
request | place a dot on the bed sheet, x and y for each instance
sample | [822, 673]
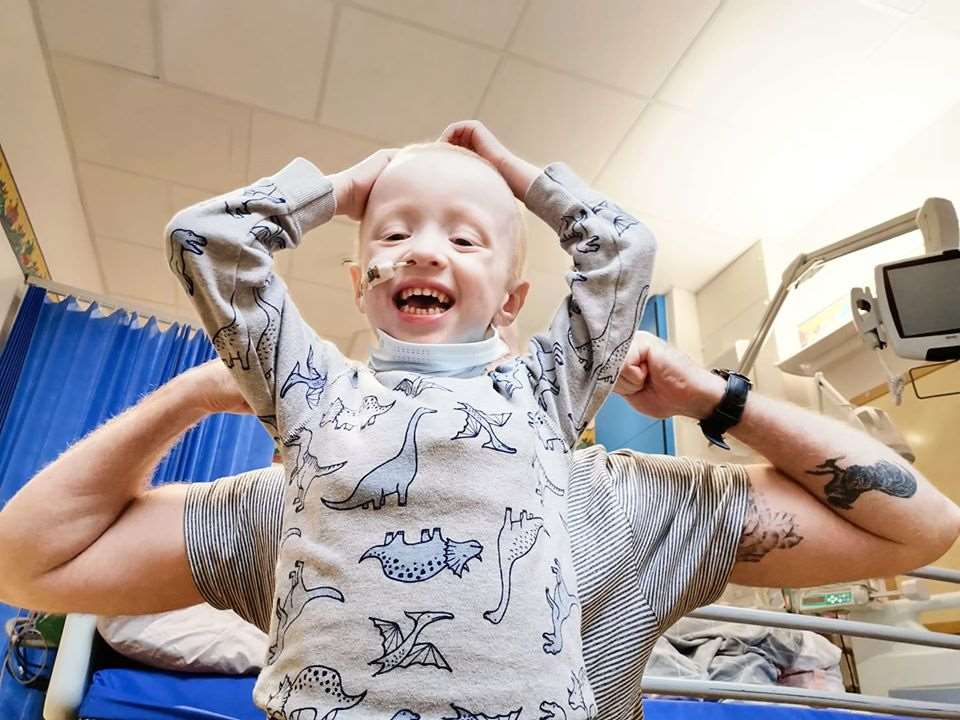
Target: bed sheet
[134, 694]
[656, 709]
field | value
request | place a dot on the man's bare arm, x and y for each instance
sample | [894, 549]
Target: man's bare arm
[840, 503]
[86, 534]
[832, 504]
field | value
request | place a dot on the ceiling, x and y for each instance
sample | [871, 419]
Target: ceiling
[718, 122]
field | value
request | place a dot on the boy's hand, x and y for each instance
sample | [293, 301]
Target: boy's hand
[215, 389]
[352, 186]
[660, 381]
[474, 135]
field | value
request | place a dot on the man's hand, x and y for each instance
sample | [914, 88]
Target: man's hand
[352, 186]
[215, 389]
[660, 381]
[474, 135]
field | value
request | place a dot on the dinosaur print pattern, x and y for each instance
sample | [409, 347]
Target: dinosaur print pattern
[401, 650]
[538, 421]
[405, 715]
[478, 421]
[412, 387]
[505, 379]
[344, 418]
[544, 482]
[573, 230]
[575, 697]
[464, 714]
[516, 539]
[314, 380]
[608, 370]
[306, 467]
[552, 711]
[392, 477]
[296, 699]
[264, 192]
[415, 562]
[561, 602]
[269, 234]
[231, 344]
[267, 342]
[185, 241]
[289, 610]
[546, 381]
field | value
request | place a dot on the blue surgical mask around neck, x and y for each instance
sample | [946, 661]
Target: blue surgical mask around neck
[448, 359]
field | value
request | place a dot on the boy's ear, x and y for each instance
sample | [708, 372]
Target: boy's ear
[512, 304]
[355, 276]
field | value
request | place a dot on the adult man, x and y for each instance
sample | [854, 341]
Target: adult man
[653, 537]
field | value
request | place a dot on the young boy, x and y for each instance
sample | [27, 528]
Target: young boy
[405, 474]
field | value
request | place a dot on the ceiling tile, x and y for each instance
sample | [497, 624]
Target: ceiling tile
[628, 44]
[676, 165]
[319, 257]
[329, 311]
[277, 140]
[532, 111]
[117, 32]
[769, 61]
[689, 255]
[400, 84]
[133, 123]
[224, 49]
[136, 271]
[489, 22]
[124, 206]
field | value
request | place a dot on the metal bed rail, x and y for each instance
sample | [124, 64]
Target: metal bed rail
[715, 690]
[934, 573]
[772, 618]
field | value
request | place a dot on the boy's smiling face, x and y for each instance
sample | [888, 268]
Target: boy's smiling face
[455, 217]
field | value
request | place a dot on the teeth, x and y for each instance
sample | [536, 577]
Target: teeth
[429, 292]
[421, 311]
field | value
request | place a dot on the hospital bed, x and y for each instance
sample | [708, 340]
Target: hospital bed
[90, 682]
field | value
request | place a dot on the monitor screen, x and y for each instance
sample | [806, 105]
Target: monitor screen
[924, 296]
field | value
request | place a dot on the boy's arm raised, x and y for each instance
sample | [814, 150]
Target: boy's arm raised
[574, 366]
[221, 250]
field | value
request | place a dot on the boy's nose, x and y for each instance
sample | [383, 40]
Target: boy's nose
[428, 251]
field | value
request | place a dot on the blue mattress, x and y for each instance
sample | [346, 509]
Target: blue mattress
[135, 694]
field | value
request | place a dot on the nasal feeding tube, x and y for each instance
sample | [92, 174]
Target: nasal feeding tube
[381, 272]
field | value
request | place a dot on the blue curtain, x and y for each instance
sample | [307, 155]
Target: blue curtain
[65, 370]
[80, 368]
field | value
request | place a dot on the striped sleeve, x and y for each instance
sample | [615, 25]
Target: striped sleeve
[687, 517]
[232, 529]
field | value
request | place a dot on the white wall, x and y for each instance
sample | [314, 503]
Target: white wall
[36, 148]
[11, 282]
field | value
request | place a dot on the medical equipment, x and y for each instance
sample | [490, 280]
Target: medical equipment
[916, 309]
[381, 272]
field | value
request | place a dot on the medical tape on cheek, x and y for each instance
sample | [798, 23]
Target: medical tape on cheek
[377, 273]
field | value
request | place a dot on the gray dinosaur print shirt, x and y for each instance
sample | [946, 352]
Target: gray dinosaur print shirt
[425, 567]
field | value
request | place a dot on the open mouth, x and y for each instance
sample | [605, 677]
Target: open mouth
[422, 301]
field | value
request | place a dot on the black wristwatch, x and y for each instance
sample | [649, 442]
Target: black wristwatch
[729, 411]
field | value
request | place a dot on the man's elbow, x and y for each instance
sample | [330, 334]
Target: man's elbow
[940, 536]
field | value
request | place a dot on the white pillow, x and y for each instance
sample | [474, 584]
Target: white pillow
[196, 639]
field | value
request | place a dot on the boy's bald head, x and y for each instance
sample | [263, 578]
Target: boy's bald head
[501, 202]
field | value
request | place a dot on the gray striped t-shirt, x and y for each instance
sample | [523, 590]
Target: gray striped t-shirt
[653, 537]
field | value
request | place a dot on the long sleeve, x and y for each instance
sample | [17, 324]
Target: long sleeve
[221, 251]
[575, 364]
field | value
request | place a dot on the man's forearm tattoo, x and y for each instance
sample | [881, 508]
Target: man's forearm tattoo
[765, 530]
[851, 482]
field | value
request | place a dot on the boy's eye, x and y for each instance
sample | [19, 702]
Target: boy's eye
[463, 242]
[394, 237]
